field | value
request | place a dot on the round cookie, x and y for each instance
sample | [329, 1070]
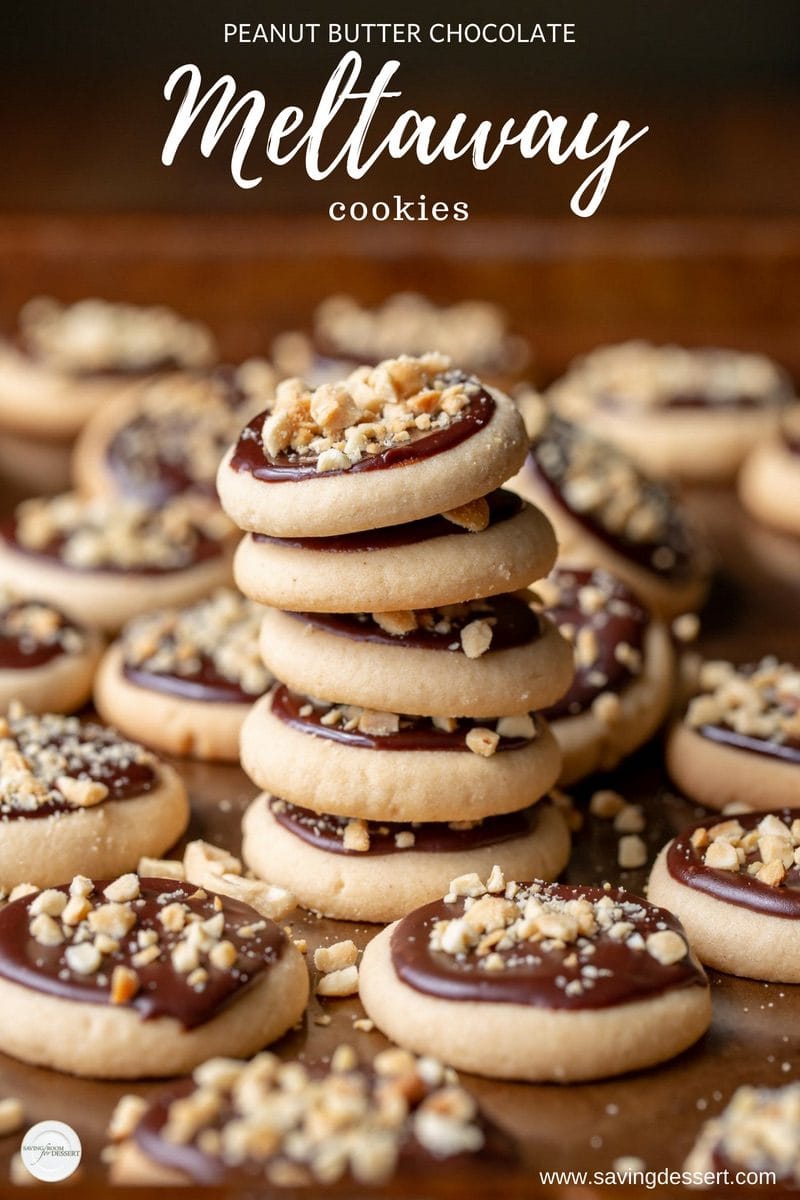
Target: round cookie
[346, 333]
[270, 1125]
[486, 658]
[182, 680]
[735, 886]
[689, 414]
[410, 438]
[739, 740]
[167, 436]
[606, 513]
[47, 662]
[104, 561]
[378, 871]
[493, 544]
[769, 482]
[385, 767]
[74, 796]
[529, 981]
[624, 668]
[141, 977]
[67, 360]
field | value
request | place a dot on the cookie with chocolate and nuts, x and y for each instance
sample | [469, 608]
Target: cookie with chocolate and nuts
[167, 436]
[492, 544]
[607, 513]
[623, 669]
[182, 680]
[357, 870]
[268, 1124]
[105, 561]
[769, 483]
[66, 361]
[537, 981]
[759, 1130]
[386, 766]
[138, 977]
[76, 795]
[735, 884]
[484, 658]
[346, 333]
[690, 414]
[739, 739]
[47, 661]
[408, 439]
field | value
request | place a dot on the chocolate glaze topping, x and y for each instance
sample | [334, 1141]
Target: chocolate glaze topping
[164, 992]
[622, 620]
[685, 863]
[326, 832]
[502, 507]
[610, 974]
[206, 684]
[515, 624]
[788, 750]
[212, 1170]
[21, 648]
[415, 733]
[673, 554]
[249, 456]
[91, 752]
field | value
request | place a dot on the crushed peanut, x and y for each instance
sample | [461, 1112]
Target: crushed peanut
[758, 1131]
[761, 701]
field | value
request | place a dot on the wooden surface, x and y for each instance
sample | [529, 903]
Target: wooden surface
[724, 282]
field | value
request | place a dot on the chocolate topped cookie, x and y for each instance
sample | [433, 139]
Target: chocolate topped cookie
[171, 969]
[47, 661]
[537, 981]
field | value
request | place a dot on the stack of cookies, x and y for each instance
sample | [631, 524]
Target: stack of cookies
[402, 743]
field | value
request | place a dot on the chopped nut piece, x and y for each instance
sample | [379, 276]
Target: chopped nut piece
[339, 983]
[204, 859]
[356, 835]
[396, 623]
[76, 909]
[83, 958]
[629, 819]
[474, 515]
[466, 885]
[772, 873]
[482, 741]
[223, 955]
[335, 957]
[82, 793]
[606, 804]
[50, 901]
[686, 627]
[127, 1113]
[378, 724]
[721, 856]
[405, 839]
[631, 852]
[124, 888]
[476, 638]
[667, 946]
[363, 1024]
[161, 868]
[46, 931]
[517, 727]
[124, 984]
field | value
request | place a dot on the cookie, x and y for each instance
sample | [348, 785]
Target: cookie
[182, 680]
[606, 513]
[624, 667]
[410, 438]
[67, 360]
[739, 740]
[735, 885]
[346, 333]
[388, 767]
[74, 795]
[358, 870]
[690, 414]
[769, 483]
[267, 1125]
[104, 561]
[758, 1131]
[141, 977]
[167, 436]
[535, 981]
[486, 658]
[47, 662]
[493, 544]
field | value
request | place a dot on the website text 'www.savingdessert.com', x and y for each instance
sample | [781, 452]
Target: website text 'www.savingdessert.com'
[724, 1177]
